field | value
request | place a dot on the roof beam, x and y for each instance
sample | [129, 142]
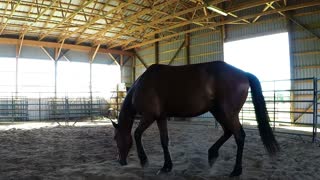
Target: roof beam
[96, 18]
[241, 7]
[12, 11]
[172, 27]
[65, 46]
[40, 14]
[287, 8]
[151, 23]
[85, 3]
[129, 18]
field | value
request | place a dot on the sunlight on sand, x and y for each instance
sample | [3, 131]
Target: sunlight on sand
[37, 125]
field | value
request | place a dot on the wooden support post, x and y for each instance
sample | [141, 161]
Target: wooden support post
[133, 69]
[121, 68]
[17, 70]
[291, 50]
[156, 45]
[18, 52]
[187, 46]
[55, 79]
[90, 90]
[55, 59]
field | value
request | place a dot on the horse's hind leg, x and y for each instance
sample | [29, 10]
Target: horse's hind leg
[239, 136]
[213, 152]
[231, 126]
[145, 122]
[163, 129]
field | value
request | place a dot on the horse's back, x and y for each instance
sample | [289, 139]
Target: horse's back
[185, 90]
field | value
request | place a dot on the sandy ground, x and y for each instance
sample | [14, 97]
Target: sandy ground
[89, 153]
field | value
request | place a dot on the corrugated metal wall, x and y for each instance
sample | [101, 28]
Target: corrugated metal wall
[265, 25]
[206, 46]
[167, 51]
[126, 71]
[305, 57]
[147, 53]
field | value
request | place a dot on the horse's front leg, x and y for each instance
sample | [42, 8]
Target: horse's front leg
[145, 122]
[163, 129]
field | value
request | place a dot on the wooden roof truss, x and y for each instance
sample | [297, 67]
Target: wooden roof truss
[126, 24]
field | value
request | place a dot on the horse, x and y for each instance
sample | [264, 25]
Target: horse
[164, 91]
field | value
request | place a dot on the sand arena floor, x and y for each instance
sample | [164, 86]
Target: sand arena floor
[89, 153]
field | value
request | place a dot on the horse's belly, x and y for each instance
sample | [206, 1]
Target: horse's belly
[187, 108]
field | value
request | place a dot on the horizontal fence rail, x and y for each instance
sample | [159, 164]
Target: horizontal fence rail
[45, 107]
[293, 106]
[290, 103]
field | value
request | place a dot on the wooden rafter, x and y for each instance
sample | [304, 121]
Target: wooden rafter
[84, 4]
[181, 24]
[268, 5]
[50, 17]
[129, 18]
[160, 21]
[4, 25]
[287, 8]
[40, 14]
[96, 18]
[124, 24]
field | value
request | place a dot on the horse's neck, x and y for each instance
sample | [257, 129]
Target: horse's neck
[127, 113]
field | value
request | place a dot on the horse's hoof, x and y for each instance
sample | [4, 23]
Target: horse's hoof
[144, 162]
[212, 159]
[236, 172]
[164, 170]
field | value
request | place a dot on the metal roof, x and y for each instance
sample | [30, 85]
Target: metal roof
[127, 24]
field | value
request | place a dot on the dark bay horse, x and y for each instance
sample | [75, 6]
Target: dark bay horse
[186, 91]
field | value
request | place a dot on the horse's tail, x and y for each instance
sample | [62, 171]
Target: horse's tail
[262, 116]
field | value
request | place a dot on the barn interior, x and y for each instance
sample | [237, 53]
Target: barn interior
[69, 63]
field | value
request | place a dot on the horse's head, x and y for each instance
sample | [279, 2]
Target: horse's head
[124, 143]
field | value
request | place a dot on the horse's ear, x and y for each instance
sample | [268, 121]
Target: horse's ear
[115, 125]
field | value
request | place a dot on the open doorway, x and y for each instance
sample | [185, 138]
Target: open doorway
[268, 58]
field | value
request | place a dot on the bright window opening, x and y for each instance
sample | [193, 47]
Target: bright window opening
[267, 57]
